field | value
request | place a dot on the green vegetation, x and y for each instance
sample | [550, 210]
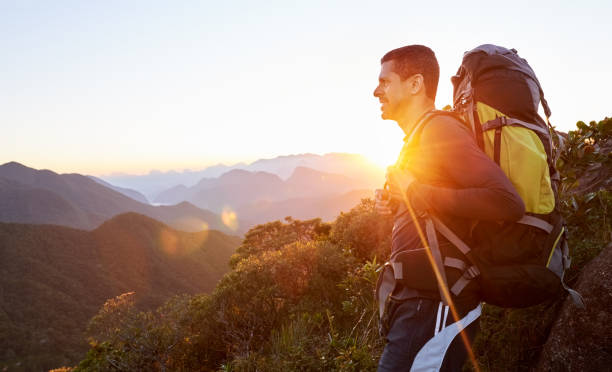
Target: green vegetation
[54, 279]
[298, 297]
[300, 293]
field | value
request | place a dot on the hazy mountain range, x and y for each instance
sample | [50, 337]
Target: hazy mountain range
[249, 196]
[238, 188]
[125, 191]
[327, 207]
[44, 197]
[54, 279]
[356, 167]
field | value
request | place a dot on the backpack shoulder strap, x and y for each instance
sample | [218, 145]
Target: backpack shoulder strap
[426, 118]
[411, 140]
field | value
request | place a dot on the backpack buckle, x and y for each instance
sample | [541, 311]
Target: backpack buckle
[471, 272]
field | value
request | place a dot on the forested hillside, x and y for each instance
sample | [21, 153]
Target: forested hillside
[299, 295]
[53, 279]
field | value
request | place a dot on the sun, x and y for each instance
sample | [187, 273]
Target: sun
[382, 156]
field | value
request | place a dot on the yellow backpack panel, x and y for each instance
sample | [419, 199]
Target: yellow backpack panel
[523, 160]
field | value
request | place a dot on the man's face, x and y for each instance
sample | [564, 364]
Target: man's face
[392, 92]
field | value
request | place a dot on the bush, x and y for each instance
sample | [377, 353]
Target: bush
[363, 232]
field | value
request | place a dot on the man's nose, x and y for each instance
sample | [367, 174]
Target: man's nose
[377, 92]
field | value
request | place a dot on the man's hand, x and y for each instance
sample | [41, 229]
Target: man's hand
[399, 180]
[383, 204]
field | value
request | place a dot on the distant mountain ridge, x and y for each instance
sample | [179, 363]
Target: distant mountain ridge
[353, 166]
[41, 196]
[44, 197]
[156, 181]
[238, 187]
[326, 207]
[55, 278]
[127, 192]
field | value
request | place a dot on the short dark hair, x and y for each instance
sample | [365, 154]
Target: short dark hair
[416, 59]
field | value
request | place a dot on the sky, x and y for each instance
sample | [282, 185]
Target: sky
[101, 87]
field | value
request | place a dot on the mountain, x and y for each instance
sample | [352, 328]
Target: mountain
[41, 196]
[353, 166]
[327, 207]
[173, 195]
[284, 166]
[356, 167]
[258, 197]
[154, 182]
[233, 188]
[27, 204]
[55, 278]
[127, 192]
[239, 187]
[307, 182]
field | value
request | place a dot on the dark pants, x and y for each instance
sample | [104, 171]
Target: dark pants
[425, 329]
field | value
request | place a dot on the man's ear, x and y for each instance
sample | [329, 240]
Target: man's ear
[417, 84]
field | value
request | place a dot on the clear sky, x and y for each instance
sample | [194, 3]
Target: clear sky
[129, 86]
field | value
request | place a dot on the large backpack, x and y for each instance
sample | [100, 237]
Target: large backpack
[497, 94]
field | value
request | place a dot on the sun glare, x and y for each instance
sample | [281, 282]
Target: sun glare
[168, 241]
[382, 156]
[229, 218]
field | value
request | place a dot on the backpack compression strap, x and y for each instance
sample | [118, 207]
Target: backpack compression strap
[472, 272]
[434, 248]
[500, 122]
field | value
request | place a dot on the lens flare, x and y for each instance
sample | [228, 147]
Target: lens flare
[229, 218]
[191, 224]
[168, 242]
[179, 243]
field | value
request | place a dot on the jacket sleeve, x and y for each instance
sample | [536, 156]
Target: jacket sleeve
[480, 189]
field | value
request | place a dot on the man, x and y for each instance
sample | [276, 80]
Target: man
[441, 172]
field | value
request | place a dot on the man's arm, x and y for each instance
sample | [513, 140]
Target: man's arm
[480, 189]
